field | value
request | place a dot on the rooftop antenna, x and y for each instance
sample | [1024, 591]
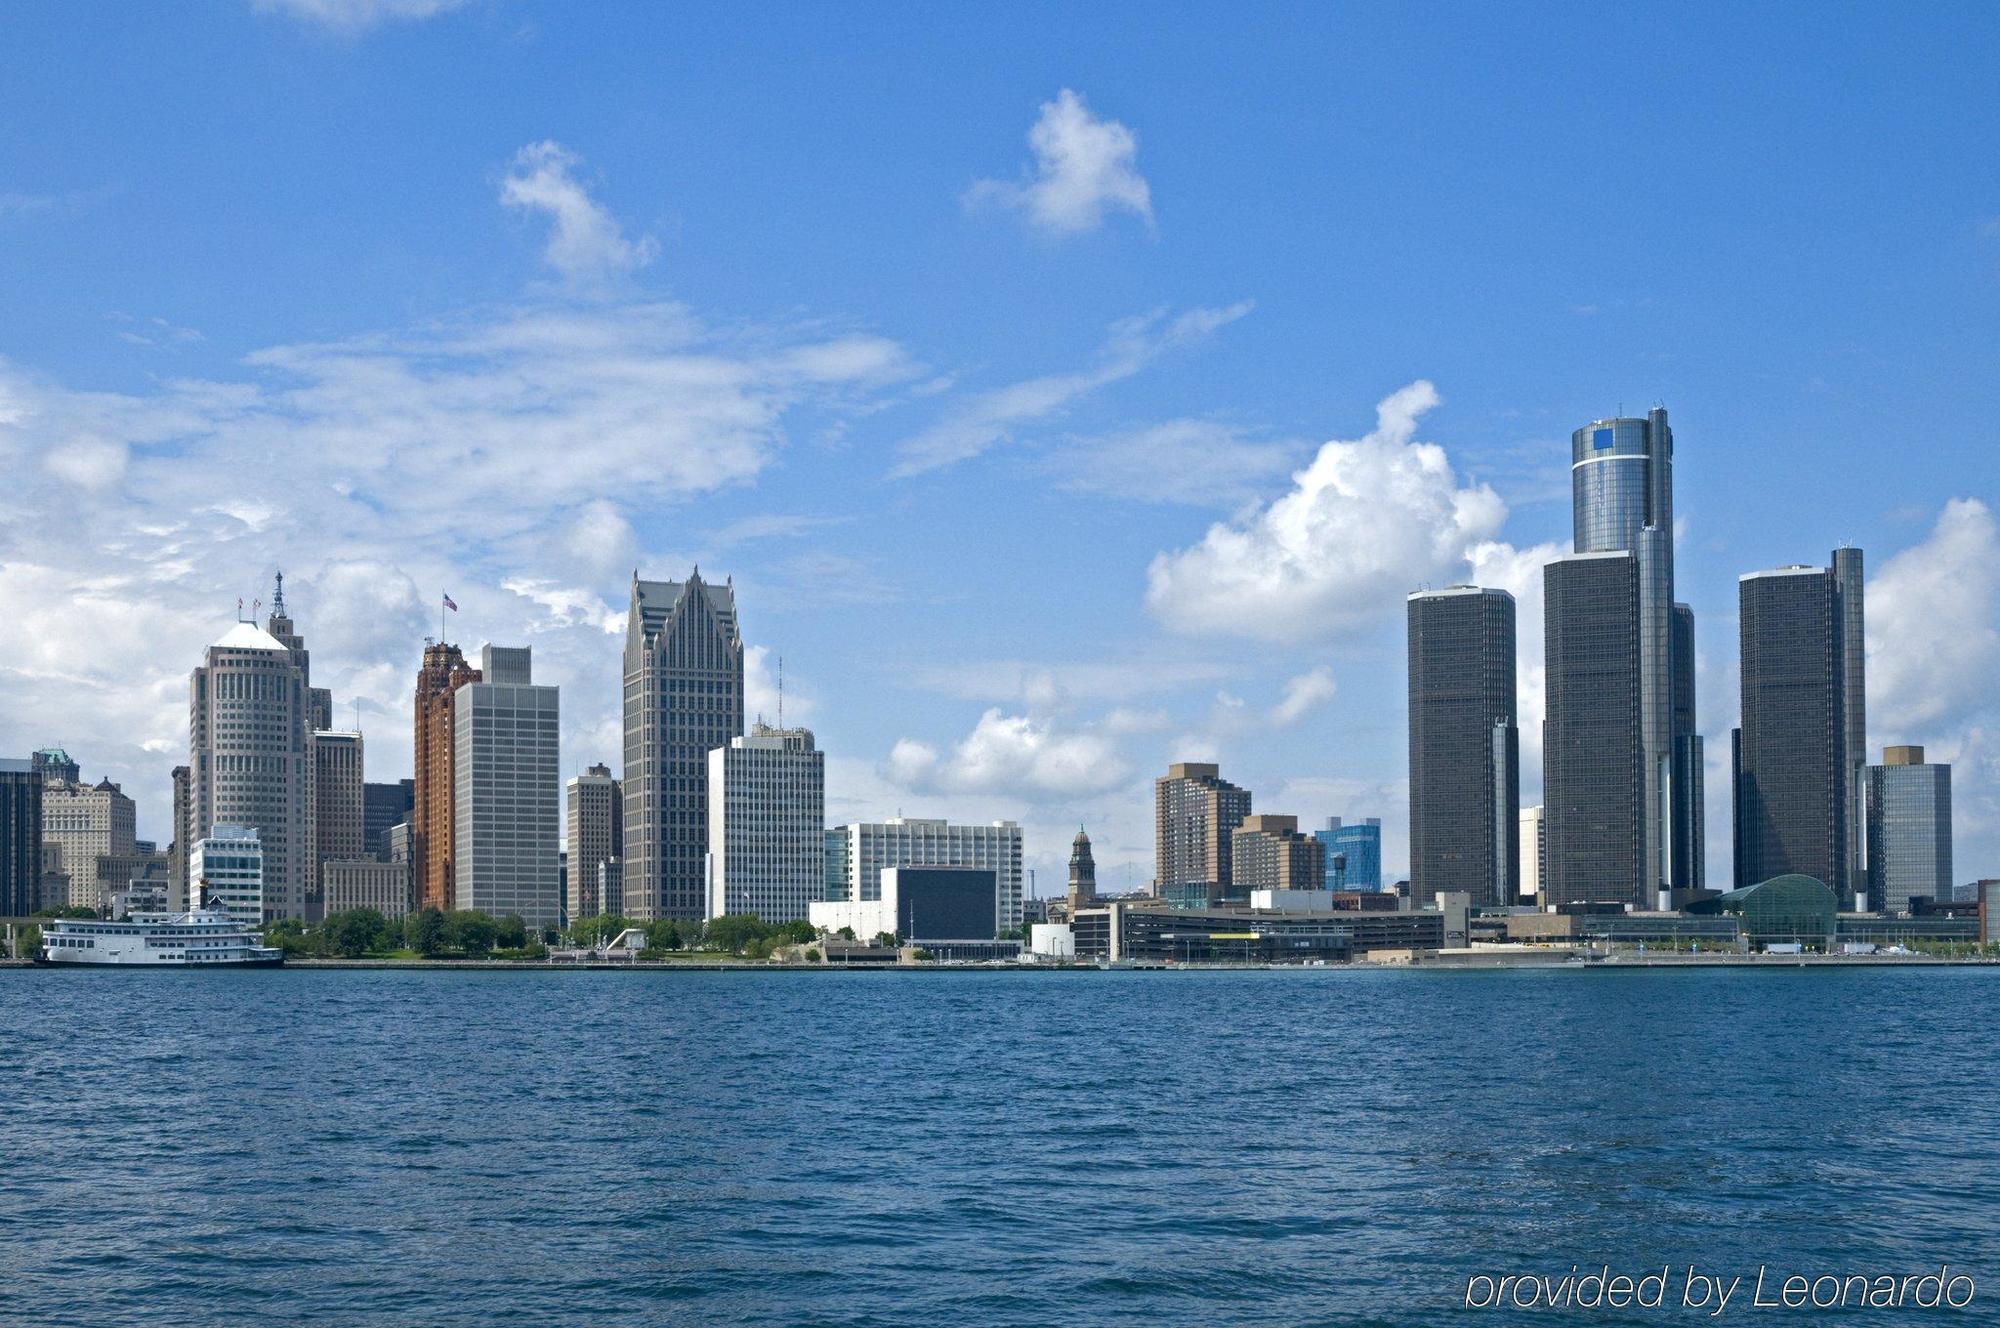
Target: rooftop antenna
[781, 691]
[278, 597]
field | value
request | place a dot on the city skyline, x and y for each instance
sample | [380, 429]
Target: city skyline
[1019, 555]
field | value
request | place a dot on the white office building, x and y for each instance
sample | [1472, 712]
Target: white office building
[506, 791]
[226, 871]
[865, 848]
[1532, 840]
[767, 825]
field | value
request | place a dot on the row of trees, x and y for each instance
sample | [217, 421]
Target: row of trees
[429, 933]
[743, 934]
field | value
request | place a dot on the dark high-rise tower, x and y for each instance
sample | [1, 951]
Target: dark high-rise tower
[1793, 772]
[1622, 487]
[683, 699]
[1465, 771]
[1847, 584]
[1593, 790]
[20, 838]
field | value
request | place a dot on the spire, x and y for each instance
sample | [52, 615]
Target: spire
[278, 597]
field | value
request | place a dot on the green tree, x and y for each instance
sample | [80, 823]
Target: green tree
[423, 931]
[796, 932]
[663, 934]
[511, 932]
[289, 935]
[354, 933]
[812, 956]
[65, 911]
[734, 932]
[846, 934]
[885, 940]
[470, 931]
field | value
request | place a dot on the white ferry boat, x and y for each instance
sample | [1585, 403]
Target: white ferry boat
[206, 937]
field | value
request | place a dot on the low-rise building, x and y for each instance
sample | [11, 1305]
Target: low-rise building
[919, 905]
[226, 871]
[351, 883]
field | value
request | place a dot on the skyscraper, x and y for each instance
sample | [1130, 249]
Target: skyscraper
[319, 700]
[1195, 811]
[1847, 587]
[20, 837]
[1792, 770]
[177, 851]
[506, 773]
[1909, 830]
[382, 806]
[767, 825]
[250, 758]
[1465, 755]
[1622, 499]
[1353, 853]
[1593, 798]
[683, 699]
[337, 808]
[595, 832]
[1268, 852]
[444, 671]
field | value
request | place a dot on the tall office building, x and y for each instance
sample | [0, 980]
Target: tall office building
[1848, 592]
[506, 774]
[226, 871]
[1532, 848]
[1082, 873]
[1622, 500]
[1353, 853]
[594, 829]
[1195, 811]
[683, 699]
[20, 837]
[250, 758]
[319, 700]
[383, 806]
[89, 839]
[178, 849]
[1909, 830]
[870, 846]
[338, 826]
[1465, 753]
[767, 825]
[444, 671]
[1268, 852]
[1792, 770]
[1593, 786]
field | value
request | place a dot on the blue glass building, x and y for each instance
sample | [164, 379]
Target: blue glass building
[1353, 854]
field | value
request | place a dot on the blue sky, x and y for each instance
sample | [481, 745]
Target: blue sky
[981, 391]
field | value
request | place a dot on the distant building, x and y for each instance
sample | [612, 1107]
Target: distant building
[432, 868]
[367, 883]
[871, 846]
[384, 805]
[767, 825]
[1790, 752]
[339, 830]
[20, 837]
[1909, 830]
[1195, 811]
[88, 834]
[683, 699]
[611, 887]
[1082, 872]
[226, 868]
[920, 904]
[1532, 848]
[177, 851]
[506, 791]
[1465, 778]
[594, 814]
[1268, 852]
[250, 758]
[1593, 786]
[54, 766]
[1353, 853]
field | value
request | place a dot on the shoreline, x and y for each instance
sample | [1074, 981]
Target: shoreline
[1458, 962]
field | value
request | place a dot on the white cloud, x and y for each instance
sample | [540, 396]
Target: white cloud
[585, 243]
[348, 16]
[1203, 463]
[1933, 616]
[1043, 685]
[764, 679]
[89, 463]
[1083, 167]
[1302, 694]
[1364, 524]
[1023, 755]
[987, 418]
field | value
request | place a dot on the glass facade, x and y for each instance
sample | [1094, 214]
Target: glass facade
[1592, 791]
[1790, 762]
[1909, 835]
[1465, 792]
[1353, 854]
[1785, 909]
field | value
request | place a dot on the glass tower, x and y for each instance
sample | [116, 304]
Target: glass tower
[1465, 780]
[1592, 791]
[1622, 500]
[1791, 750]
[1909, 830]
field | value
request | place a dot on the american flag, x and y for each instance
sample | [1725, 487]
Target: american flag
[449, 604]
